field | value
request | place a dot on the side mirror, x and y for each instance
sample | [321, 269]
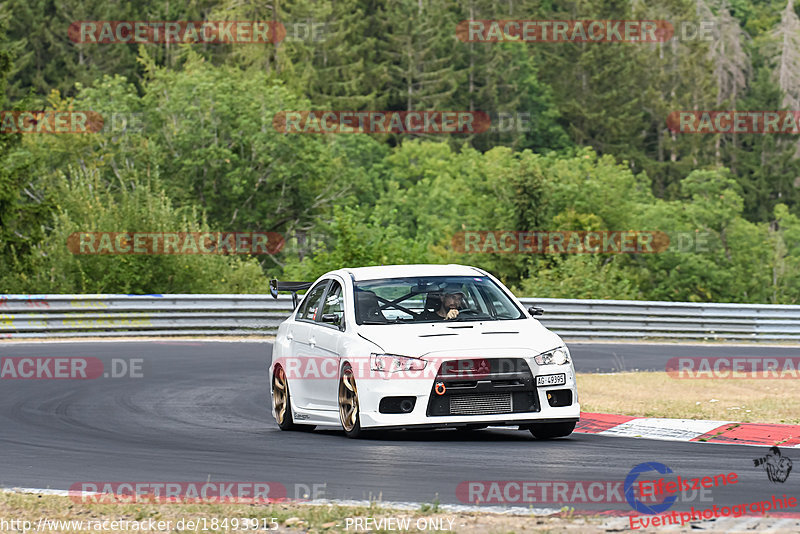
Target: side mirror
[331, 318]
[533, 310]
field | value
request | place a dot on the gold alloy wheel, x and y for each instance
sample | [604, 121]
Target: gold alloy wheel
[279, 395]
[348, 400]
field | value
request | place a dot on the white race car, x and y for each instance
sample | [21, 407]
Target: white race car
[418, 346]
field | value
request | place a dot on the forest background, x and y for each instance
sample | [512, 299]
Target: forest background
[579, 142]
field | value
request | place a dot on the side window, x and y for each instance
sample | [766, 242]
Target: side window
[308, 309]
[334, 302]
[497, 302]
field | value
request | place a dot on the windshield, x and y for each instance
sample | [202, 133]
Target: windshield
[432, 299]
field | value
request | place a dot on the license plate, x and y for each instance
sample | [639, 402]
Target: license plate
[551, 380]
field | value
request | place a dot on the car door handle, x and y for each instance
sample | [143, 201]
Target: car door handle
[290, 336]
[312, 341]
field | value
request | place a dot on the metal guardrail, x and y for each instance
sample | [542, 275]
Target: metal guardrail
[52, 316]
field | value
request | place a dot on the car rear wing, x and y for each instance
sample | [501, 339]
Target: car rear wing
[291, 287]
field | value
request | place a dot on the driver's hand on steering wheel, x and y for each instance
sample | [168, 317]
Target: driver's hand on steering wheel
[452, 314]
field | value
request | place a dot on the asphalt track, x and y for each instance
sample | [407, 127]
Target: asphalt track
[201, 412]
[615, 357]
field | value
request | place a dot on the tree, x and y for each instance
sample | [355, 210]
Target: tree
[22, 206]
[788, 64]
[765, 165]
[50, 60]
[213, 134]
[133, 204]
[419, 50]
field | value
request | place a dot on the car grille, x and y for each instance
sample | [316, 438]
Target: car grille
[495, 386]
[482, 404]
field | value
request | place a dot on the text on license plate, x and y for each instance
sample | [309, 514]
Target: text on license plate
[551, 380]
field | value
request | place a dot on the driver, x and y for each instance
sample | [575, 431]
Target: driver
[452, 300]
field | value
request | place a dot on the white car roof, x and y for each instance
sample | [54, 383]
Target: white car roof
[402, 271]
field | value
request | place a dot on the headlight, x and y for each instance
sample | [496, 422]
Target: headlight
[392, 363]
[557, 356]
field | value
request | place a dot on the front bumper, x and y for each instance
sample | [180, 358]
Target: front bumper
[505, 395]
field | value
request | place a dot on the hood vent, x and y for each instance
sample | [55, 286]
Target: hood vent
[499, 332]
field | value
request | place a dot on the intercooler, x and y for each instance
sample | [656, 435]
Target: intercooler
[480, 404]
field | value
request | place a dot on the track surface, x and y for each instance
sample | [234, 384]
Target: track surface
[201, 411]
[610, 357]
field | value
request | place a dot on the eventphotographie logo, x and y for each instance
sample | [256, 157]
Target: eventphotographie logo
[775, 464]
[631, 484]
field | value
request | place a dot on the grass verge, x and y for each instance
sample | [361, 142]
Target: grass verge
[292, 517]
[656, 394]
[317, 519]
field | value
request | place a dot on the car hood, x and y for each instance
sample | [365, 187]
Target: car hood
[418, 340]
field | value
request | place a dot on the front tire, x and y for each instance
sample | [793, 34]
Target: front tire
[551, 430]
[282, 402]
[348, 404]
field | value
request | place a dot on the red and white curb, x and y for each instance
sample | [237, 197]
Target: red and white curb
[727, 432]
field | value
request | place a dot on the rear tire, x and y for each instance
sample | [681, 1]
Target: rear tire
[551, 430]
[349, 414]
